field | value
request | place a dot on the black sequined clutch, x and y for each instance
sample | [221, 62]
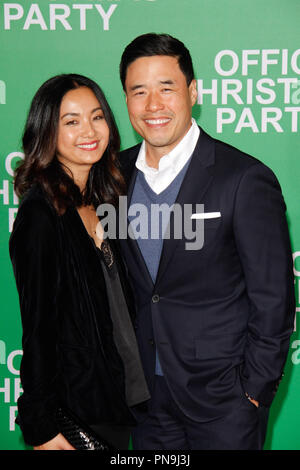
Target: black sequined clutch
[78, 434]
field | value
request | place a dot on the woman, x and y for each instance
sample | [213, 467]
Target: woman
[79, 349]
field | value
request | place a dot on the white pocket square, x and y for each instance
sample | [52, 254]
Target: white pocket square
[206, 215]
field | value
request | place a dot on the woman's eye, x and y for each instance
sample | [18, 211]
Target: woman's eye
[99, 117]
[71, 123]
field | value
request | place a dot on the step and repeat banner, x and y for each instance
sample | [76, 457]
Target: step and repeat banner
[246, 57]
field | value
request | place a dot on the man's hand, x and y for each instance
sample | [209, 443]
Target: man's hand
[59, 442]
[255, 402]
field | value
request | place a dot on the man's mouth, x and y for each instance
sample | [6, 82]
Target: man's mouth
[157, 122]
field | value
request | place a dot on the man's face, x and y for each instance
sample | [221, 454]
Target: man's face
[159, 102]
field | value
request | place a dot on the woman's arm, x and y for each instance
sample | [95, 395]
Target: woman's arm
[34, 255]
[57, 443]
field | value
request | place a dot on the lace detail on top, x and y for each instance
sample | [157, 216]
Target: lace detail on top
[107, 254]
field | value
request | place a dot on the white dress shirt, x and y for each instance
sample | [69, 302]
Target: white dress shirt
[170, 164]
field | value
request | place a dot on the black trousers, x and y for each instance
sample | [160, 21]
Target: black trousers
[167, 428]
[116, 435]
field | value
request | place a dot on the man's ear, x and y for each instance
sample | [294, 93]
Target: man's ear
[193, 91]
[125, 96]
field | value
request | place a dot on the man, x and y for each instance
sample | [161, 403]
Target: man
[213, 323]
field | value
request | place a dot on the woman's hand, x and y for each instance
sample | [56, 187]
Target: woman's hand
[59, 442]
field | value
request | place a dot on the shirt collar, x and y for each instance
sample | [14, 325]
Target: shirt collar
[175, 160]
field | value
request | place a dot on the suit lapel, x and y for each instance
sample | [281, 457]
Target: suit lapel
[132, 243]
[197, 180]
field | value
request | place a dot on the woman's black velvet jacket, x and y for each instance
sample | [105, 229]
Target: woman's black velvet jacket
[69, 356]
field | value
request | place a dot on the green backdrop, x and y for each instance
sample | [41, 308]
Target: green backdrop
[247, 62]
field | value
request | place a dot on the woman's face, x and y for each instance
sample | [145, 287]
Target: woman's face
[83, 133]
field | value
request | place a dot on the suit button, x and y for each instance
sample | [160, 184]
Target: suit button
[151, 342]
[155, 298]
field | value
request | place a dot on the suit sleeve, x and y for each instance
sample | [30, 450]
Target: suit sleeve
[262, 240]
[34, 251]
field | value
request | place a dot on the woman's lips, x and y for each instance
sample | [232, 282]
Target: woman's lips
[88, 146]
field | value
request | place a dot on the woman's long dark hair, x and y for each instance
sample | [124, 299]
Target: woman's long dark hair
[40, 164]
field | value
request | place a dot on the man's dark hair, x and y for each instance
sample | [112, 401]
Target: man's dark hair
[152, 44]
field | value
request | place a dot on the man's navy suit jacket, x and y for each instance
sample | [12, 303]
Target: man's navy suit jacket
[221, 316]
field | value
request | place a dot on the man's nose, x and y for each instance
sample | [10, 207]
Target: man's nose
[154, 102]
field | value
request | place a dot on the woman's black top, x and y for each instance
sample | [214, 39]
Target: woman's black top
[124, 336]
[75, 352]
